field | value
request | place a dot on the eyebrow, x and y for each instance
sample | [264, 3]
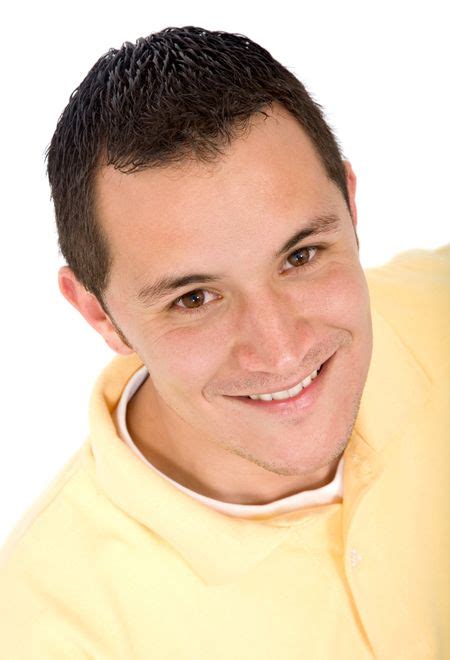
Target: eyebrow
[150, 294]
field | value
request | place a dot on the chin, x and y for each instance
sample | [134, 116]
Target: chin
[295, 461]
[313, 453]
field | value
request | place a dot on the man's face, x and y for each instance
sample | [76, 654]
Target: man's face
[267, 320]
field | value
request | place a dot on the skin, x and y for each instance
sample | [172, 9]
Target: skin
[266, 323]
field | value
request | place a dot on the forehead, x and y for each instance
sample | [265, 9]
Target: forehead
[270, 174]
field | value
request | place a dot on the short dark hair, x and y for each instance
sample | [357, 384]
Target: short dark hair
[178, 93]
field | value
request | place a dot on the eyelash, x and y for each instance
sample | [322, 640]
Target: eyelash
[199, 310]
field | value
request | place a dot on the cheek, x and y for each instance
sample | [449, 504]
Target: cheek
[186, 358]
[342, 298]
[347, 305]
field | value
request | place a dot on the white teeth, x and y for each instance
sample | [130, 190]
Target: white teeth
[286, 394]
[282, 395]
[295, 390]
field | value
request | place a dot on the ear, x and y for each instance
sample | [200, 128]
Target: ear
[351, 187]
[90, 308]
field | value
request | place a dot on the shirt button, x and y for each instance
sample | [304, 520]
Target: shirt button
[355, 558]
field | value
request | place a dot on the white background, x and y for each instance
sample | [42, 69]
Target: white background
[380, 71]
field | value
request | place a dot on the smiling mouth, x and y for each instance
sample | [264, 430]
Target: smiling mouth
[286, 398]
[290, 393]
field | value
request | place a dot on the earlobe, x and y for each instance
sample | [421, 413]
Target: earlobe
[92, 311]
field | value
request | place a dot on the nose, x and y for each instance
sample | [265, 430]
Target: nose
[272, 335]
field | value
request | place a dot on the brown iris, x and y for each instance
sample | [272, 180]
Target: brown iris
[193, 299]
[299, 257]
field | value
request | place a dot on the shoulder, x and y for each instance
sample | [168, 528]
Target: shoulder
[41, 552]
[413, 272]
[412, 293]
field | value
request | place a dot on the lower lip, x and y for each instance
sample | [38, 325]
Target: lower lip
[304, 399]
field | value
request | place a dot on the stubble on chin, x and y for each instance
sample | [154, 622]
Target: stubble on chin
[287, 471]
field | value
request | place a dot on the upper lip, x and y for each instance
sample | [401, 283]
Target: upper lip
[283, 388]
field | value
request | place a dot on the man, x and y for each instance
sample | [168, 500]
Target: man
[267, 466]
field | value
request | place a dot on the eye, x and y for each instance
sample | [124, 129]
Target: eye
[193, 301]
[302, 257]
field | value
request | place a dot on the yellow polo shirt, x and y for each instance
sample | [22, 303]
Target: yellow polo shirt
[114, 562]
